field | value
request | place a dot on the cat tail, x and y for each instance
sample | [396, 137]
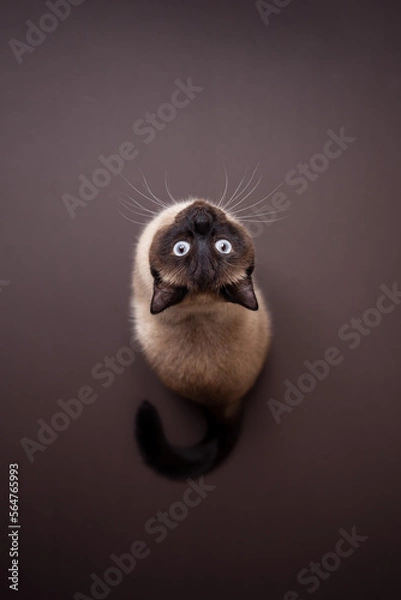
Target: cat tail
[181, 462]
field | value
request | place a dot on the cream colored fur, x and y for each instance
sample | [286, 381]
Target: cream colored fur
[210, 351]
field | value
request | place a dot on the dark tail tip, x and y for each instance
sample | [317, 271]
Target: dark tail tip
[149, 433]
[179, 462]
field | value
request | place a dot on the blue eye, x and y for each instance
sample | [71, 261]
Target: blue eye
[223, 246]
[181, 248]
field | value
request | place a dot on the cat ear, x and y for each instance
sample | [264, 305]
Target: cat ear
[165, 295]
[241, 293]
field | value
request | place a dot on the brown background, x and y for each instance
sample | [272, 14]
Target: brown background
[270, 94]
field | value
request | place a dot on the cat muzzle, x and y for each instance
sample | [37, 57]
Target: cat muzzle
[202, 222]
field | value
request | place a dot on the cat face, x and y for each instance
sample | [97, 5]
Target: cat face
[202, 251]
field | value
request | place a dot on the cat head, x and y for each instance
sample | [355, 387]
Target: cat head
[201, 249]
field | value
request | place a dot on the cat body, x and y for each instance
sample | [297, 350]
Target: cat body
[203, 326]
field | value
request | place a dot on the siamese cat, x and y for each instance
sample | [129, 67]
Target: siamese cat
[202, 324]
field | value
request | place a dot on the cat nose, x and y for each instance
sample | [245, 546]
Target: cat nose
[202, 223]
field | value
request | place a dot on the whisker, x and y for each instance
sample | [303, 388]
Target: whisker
[259, 201]
[259, 214]
[168, 189]
[248, 194]
[262, 220]
[135, 202]
[150, 191]
[125, 204]
[130, 220]
[235, 191]
[225, 188]
[246, 187]
[142, 194]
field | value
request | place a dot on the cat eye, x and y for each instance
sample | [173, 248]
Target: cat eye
[223, 246]
[181, 248]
